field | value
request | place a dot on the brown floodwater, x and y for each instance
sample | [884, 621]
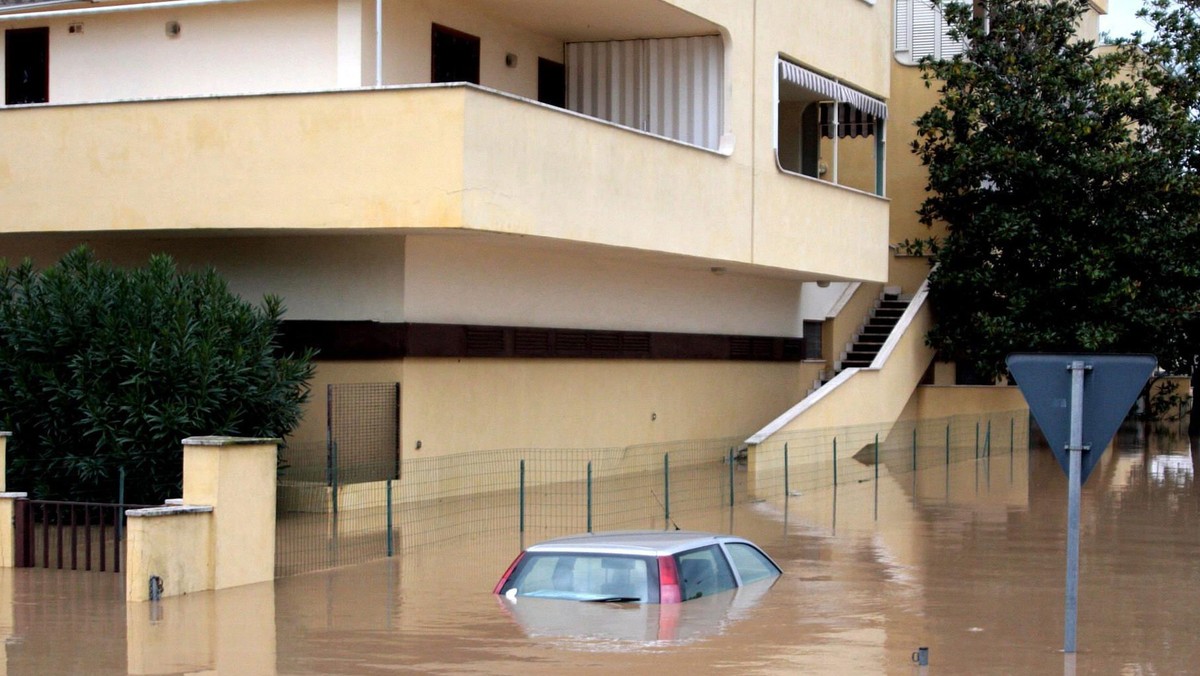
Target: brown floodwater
[967, 560]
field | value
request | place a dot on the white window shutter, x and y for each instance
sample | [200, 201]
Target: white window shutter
[903, 25]
[926, 29]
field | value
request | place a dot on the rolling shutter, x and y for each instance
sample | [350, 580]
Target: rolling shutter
[672, 87]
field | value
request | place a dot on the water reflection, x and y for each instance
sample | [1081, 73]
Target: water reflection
[967, 559]
[632, 626]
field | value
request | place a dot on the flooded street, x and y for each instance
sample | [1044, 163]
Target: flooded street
[967, 560]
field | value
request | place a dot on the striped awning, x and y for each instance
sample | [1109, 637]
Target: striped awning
[803, 77]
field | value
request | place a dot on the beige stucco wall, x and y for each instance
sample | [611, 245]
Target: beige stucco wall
[469, 159]
[176, 548]
[832, 232]
[455, 406]
[941, 401]
[236, 478]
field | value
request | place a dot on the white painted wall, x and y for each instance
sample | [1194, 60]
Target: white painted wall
[816, 303]
[516, 281]
[222, 49]
[498, 280]
[334, 278]
[408, 28]
[273, 46]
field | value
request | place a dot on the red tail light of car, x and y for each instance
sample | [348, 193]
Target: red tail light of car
[668, 580]
[507, 573]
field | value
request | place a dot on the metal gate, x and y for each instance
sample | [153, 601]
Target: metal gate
[69, 535]
[363, 432]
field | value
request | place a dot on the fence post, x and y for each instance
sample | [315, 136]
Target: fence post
[1012, 433]
[589, 496]
[987, 441]
[521, 498]
[16, 526]
[835, 462]
[120, 505]
[914, 448]
[976, 439]
[876, 476]
[731, 476]
[666, 491]
[947, 443]
[333, 476]
[390, 544]
[786, 487]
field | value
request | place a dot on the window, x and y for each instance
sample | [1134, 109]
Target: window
[827, 130]
[455, 56]
[703, 572]
[752, 565]
[585, 577]
[812, 339]
[26, 65]
[921, 31]
[552, 83]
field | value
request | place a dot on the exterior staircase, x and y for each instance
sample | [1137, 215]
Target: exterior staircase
[874, 333]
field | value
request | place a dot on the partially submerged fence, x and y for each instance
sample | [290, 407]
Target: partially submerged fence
[539, 493]
[811, 459]
[69, 535]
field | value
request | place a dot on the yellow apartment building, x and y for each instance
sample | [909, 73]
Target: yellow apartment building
[551, 223]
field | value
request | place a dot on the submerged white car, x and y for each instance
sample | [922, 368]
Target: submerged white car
[636, 566]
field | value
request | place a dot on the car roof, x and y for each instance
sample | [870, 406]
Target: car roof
[641, 542]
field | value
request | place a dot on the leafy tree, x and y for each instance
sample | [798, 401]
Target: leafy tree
[104, 368]
[1169, 60]
[1070, 219]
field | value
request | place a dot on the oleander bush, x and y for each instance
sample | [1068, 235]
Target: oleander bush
[104, 368]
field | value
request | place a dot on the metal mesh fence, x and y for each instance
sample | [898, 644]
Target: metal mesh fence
[364, 431]
[541, 493]
[802, 461]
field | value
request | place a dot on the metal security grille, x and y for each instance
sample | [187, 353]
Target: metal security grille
[363, 432]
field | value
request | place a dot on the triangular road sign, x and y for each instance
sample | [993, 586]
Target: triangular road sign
[1111, 385]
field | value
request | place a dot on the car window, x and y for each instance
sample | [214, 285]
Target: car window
[703, 572]
[582, 577]
[751, 564]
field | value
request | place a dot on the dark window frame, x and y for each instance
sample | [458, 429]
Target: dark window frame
[439, 31]
[13, 94]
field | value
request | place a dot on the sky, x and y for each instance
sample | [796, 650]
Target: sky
[1120, 20]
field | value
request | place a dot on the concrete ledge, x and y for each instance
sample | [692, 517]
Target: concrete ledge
[168, 510]
[13, 496]
[230, 441]
[5, 434]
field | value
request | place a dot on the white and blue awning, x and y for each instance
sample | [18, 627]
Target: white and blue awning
[836, 91]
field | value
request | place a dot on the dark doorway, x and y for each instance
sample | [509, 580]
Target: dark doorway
[26, 65]
[552, 83]
[455, 56]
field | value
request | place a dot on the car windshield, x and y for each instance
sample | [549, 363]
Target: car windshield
[584, 577]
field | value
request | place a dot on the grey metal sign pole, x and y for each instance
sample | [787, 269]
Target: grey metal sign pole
[1078, 423]
[1074, 485]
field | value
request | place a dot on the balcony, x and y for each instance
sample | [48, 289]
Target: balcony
[422, 159]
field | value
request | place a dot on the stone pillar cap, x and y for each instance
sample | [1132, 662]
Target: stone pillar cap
[230, 441]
